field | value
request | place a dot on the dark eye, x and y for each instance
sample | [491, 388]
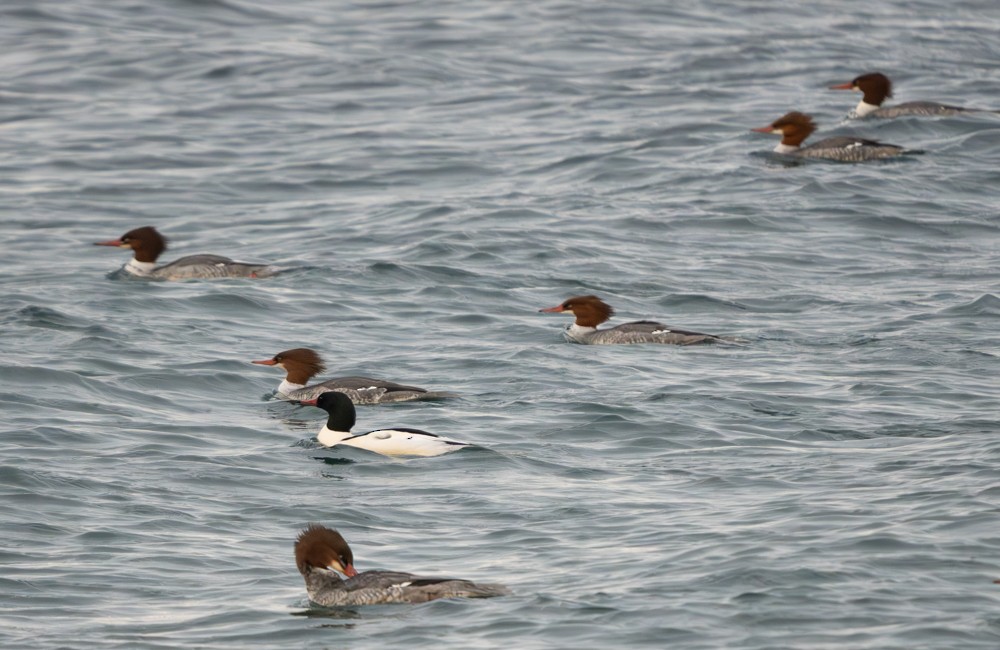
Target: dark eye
[277, 358]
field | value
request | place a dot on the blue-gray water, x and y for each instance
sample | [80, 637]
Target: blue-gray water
[441, 170]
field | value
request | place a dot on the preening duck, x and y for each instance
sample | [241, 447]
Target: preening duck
[321, 554]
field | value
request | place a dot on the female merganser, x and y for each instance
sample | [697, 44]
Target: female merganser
[591, 311]
[321, 552]
[147, 244]
[795, 127]
[388, 442]
[302, 364]
[877, 88]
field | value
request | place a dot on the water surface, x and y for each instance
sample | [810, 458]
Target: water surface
[437, 172]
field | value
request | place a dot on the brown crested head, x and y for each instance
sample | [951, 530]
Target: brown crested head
[793, 127]
[319, 547]
[146, 243]
[875, 86]
[301, 364]
[590, 311]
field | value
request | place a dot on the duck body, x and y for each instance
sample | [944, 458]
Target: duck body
[640, 331]
[876, 88]
[321, 554]
[397, 441]
[847, 149]
[795, 127]
[327, 589]
[361, 391]
[905, 109]
[591, 311]
[148, 244]
[302, 364]
[204, 267]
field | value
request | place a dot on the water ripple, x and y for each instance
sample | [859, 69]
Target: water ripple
[434, 173]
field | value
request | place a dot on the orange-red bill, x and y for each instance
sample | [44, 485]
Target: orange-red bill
[266, 362]
[307, 402]
[110, 242]
[763, 129]
[350, 571]
[549, 310]
[847, 86]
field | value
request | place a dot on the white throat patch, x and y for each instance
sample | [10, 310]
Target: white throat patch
[863, 108]
[286, 387]
[135, 267]
[579, 333]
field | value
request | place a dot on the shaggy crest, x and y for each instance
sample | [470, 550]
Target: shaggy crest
[321, 547]
[146, 243]
[304, 359]
[875, 85]
[795, 127]
[796, 120]
[591, 303]
[590, 311]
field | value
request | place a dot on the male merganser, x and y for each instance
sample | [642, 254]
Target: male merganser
[877, 88]
[148, 244]
[388, 442]
[321, 552]
[591, 311]
[302, 364]
[795, 127]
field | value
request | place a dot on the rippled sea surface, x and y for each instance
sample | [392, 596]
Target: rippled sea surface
[436, 172]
